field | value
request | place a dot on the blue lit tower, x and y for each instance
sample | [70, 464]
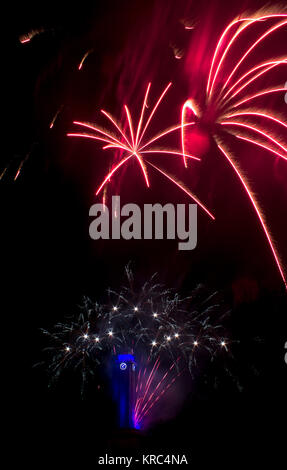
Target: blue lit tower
[124, 383]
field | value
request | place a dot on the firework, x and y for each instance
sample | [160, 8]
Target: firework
[27, 37]
[131, 144]
[166, 333]
[19, 169]
[222, 109]
[14, 166]
[3, 172]
[56, 116]
[80, 66]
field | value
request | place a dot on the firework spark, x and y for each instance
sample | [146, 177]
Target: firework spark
[167, 333]
[3, 172]
[220, 104]
[56, 116]
[80, 66]
[131, 143]
[27, 37]
[19, 169]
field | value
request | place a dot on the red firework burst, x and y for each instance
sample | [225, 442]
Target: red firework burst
[131, 144]
[222, 108]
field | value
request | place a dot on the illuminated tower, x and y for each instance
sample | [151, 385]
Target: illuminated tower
[124, 382]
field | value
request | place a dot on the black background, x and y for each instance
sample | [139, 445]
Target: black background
[49, 262]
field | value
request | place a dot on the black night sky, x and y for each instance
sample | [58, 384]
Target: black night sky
[49, 262]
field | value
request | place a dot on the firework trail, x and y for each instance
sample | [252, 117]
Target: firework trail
[3, 172]
[56, 116]
[19, 169]
[80, 66]
[132, 145]
[223, 109]
[27, 37]
[167, 333]
[24, 160]
[14, 169]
